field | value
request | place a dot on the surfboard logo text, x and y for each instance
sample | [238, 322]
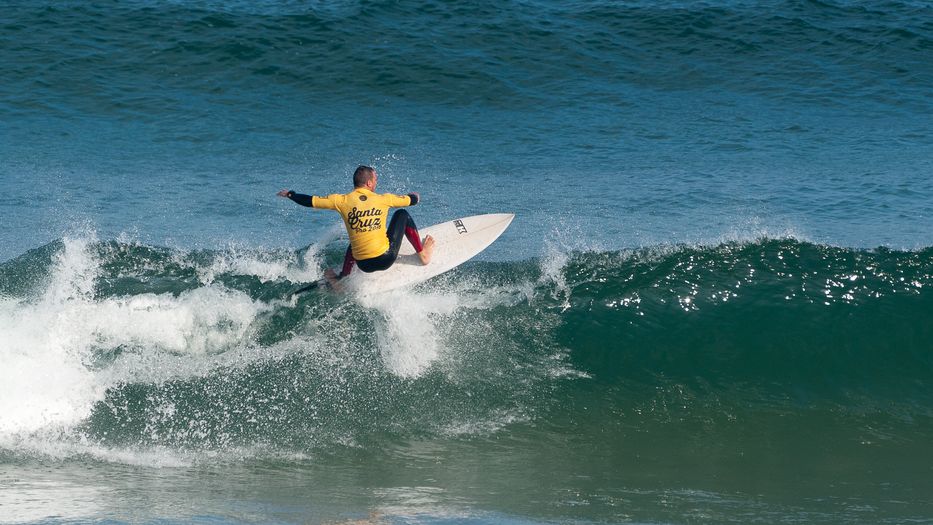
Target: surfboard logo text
[460, 227]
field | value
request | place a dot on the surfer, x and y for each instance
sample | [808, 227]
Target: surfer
[374, 244]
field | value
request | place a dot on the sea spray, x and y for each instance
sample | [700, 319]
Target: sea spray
[407, 333]
[44, 380]
[60, 347]
[266, 265]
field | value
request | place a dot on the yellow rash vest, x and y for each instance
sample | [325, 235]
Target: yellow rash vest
[366, 216]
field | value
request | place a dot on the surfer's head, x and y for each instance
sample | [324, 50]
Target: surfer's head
[363, 176]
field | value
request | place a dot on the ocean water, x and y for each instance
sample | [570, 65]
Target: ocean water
[714, 304]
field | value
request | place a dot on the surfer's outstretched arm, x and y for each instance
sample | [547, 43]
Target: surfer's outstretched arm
[304, 200]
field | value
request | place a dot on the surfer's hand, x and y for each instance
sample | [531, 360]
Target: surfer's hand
[284, 193]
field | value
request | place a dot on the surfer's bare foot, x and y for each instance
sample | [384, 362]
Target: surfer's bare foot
[332, 280]
[427, 249]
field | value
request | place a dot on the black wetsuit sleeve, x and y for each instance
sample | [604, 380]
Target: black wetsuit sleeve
[304, 200]
[414, 199]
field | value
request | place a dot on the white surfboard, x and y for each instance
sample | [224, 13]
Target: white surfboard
[455, 242]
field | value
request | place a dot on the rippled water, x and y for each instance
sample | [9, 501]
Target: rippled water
[712, 305]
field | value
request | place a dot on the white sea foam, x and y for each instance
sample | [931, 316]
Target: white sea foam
[49, 380]
[44, 381]
[412, 322]
[407, 330]
[267, 266]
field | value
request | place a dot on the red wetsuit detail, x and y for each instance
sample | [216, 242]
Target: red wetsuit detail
[348, 262]
[413, 238]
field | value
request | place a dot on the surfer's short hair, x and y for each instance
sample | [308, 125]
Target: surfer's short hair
[362, 175]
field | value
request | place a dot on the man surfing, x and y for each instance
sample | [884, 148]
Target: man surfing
[374, 244]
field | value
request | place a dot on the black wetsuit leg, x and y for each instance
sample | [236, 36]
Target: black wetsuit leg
[401, 226]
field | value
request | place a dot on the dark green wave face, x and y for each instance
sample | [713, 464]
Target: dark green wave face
[205, 350]
[773, 315]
